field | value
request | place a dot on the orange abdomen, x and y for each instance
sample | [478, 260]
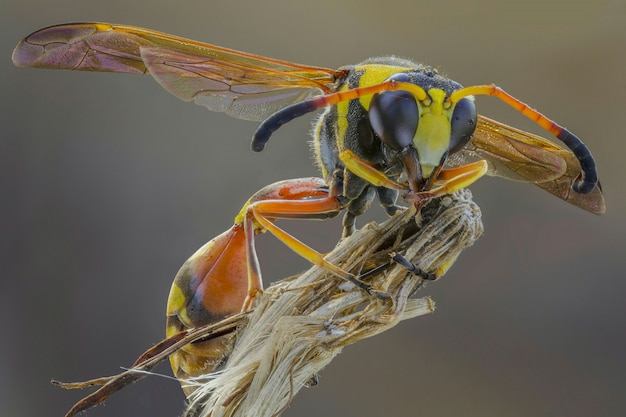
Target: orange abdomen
[211, 285]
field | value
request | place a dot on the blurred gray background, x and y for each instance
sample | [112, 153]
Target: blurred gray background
[109, 183]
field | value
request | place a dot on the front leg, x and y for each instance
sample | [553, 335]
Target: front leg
[368, 172]
[451, 180]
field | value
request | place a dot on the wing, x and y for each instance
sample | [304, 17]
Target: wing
[242, 85]
[522, 156]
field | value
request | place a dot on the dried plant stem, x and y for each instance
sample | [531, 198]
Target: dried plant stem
[301, 323]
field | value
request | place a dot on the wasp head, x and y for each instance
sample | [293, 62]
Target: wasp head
[421, 124]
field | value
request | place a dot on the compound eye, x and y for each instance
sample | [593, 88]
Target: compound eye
[462, 124]
[401, 77]
[394, 116]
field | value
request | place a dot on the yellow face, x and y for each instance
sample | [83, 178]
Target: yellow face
[432, 137]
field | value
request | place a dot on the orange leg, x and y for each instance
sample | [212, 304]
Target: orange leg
[263, 213]
[260, 216]
[451, 180]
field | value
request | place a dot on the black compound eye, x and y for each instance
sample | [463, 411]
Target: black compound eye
[394, 115]
[462, 124]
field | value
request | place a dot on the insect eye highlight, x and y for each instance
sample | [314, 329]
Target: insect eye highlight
[462, 124]
[394, 116]
[401, 77]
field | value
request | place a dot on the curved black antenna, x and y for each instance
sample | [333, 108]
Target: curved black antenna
[276, 120]
[588, 176]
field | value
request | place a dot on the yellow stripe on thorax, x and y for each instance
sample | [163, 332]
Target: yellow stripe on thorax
[372, 74]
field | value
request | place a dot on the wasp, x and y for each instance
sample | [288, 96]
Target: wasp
[389, 126]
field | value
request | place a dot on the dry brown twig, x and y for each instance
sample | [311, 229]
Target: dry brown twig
[300, 324]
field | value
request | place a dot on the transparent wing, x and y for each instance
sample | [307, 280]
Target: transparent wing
[243, 85]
